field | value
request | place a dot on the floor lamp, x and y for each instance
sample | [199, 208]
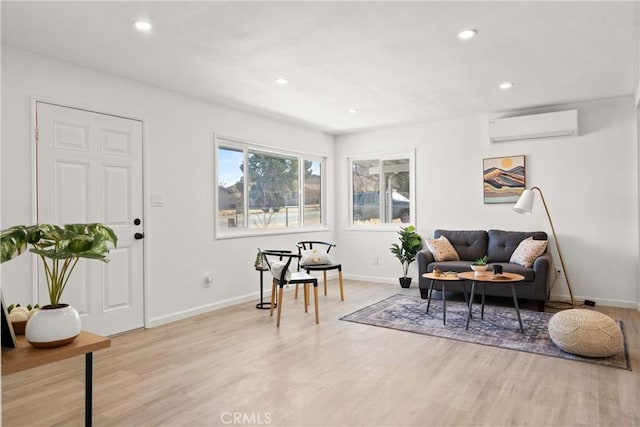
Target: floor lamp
[523, 206]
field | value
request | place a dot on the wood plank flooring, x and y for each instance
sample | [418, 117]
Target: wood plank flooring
[234, 367]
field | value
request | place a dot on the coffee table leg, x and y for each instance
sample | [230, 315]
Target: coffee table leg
[484, 288]
[444, 303]
[473, 288]
[515, 303]
[464, 290]
[429, 295]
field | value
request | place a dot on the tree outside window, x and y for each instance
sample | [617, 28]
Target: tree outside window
[270, 185]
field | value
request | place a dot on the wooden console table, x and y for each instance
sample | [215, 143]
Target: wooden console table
[24, 356]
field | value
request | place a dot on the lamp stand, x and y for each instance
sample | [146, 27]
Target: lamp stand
[555, 239]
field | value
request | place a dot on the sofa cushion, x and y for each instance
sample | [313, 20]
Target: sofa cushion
[502, 243]
[527, 251]
[528, 273]
[457, 266]
[469, 244]
[441, 249]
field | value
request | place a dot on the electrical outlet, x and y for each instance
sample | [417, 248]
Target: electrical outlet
[208, 280]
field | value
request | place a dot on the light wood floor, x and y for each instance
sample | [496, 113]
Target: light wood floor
[234, 367]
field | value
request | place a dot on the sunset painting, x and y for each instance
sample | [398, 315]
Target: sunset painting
[503, 179]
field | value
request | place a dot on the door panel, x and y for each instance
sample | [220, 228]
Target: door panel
[90, 170]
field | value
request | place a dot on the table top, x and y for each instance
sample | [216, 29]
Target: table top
[25, 356]
[432, 276]
[489, 276]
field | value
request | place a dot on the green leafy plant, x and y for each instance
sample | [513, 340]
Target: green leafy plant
[59, 248]
[481, 261]
[410, 244]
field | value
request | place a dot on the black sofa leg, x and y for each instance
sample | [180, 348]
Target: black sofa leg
[540, 305]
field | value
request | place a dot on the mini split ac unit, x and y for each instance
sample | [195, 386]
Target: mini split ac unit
[535, 126]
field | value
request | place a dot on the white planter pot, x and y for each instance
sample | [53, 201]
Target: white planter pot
[479, 269]
[53, 327]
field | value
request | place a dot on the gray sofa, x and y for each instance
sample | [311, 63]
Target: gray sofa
[498, 245]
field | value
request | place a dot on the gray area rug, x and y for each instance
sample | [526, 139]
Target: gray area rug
[499, 328]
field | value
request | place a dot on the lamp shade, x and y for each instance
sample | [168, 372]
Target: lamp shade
[525, 203]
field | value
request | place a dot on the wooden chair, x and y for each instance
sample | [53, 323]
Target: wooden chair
[326, 247]
[278, 263]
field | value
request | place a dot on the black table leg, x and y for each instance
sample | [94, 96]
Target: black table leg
[444, 303]
[88, 388]
[515, 303]
[484, 288]
[429, 296]
[473, 288]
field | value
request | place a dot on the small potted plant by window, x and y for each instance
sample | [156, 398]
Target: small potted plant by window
[410, 244]
[480, 265]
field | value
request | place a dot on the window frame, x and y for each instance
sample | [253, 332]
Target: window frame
[245, 147]
[381, 157]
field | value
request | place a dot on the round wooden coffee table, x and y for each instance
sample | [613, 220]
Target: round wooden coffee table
[444, 279]
[491, 278]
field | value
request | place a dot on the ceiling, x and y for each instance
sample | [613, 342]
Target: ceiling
[395, 62]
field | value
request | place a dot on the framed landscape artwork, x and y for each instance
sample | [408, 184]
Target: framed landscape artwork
[504, 179]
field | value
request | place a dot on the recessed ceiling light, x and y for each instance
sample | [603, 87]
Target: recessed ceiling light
[352, 110]
[142, 25]
[467, 34]
[506, 85]
[282, 81]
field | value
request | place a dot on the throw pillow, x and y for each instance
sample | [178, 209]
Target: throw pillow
[276, 270]
[314, 257]
[442, 249]
[527, 252]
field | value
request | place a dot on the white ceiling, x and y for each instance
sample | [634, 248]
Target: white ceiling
[396, 62]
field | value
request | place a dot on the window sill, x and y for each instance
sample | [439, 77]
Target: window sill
[378, 227]
[253, 233]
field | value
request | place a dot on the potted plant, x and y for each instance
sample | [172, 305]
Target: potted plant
[59, 249]
[480, 264]
[259, 263]
[410, 244]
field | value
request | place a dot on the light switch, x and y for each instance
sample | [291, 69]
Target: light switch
[157, 200]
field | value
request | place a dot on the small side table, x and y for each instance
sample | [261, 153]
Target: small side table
[263, 305]
[444, 279]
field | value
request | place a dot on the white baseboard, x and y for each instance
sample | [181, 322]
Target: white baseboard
[254, 296]
[184, 314]
[599, 301]
[373, 279]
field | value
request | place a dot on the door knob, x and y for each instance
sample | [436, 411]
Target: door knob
[138, 236]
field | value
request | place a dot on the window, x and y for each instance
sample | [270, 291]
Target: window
[262, 189]
[381, 190]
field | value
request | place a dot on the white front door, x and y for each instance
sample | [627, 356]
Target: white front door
[89, 169]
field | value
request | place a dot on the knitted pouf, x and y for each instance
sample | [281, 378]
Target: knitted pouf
[586, 333]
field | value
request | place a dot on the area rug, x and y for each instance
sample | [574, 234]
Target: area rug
[499, 328]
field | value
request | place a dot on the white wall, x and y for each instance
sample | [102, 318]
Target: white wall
[590, 183]
[178, 146]
[638, 164]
